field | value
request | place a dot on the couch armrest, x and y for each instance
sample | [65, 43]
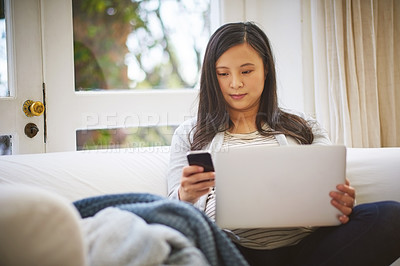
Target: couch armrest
[38, 228]
[375, 173]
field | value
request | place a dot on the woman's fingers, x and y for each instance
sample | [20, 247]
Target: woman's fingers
[342, 207]
[346, 188]
[195, 174]
[344, 200]
[195, 183]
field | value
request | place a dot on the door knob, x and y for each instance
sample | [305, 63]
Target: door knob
[32, 108]
[31, 130]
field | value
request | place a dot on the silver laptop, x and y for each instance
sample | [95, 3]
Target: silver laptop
[264, 186]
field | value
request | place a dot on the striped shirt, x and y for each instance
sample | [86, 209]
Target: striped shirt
[257, 238]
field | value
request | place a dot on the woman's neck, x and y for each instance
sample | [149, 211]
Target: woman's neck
[243, 123]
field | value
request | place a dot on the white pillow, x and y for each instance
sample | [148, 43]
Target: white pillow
[38, 228]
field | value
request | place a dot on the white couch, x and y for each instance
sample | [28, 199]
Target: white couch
[26, 181]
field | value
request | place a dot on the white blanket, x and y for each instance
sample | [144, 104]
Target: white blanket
[118, 237]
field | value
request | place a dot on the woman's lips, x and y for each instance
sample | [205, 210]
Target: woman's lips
[237, 96]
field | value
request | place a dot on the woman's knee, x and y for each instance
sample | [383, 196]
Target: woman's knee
[389, 212]
[383, 216]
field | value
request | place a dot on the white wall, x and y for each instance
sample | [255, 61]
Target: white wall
[282, 22]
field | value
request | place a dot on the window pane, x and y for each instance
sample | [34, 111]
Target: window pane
[124, 138]
[149, 44]
[4, 90]
[5, 145]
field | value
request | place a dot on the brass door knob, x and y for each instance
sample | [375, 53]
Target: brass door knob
[32, 108]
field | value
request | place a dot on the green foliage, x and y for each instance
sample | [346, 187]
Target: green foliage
[101, 30]
[123, 10]
[2, 13]
[125, 138]
[87, 69]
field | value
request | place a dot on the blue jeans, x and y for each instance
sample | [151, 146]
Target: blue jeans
[370, 238]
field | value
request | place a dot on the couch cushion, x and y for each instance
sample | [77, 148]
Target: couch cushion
[77, 175]
[375, 173]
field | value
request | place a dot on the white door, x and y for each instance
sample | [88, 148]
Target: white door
[25, 77]
[68, 111]
[42, 64]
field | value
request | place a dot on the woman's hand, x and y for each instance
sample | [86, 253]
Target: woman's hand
[195, 183]
[344, 200]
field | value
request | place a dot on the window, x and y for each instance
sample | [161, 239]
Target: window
[137, 45]
[4, 90]
[5, 144]
[124, 44]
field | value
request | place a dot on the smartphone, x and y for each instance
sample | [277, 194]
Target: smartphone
[201, 158]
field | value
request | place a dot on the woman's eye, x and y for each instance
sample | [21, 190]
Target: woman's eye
[222, 74]
[247, 72]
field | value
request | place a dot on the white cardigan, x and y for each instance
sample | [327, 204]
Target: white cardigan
[180, 145]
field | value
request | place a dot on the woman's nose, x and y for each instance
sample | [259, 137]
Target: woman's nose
[236, 82]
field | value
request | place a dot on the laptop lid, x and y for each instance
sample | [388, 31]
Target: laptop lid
[287, 186]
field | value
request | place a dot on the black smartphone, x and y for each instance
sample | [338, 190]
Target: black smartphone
[201, 158]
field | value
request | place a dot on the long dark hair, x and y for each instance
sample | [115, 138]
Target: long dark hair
[213, 116]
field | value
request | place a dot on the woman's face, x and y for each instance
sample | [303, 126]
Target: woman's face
[241, 76]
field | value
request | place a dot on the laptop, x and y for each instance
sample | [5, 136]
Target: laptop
[287, 186]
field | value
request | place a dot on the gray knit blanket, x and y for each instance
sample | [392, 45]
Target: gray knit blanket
[183, 217]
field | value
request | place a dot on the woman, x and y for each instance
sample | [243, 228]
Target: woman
[238, 106]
